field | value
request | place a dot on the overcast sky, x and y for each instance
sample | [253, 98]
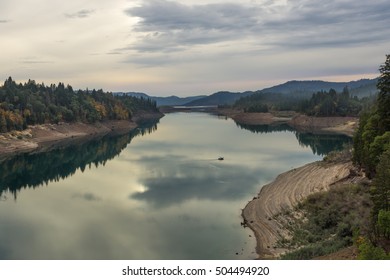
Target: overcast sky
[191, 47]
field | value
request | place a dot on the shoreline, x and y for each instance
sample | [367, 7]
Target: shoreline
[299, 122]
[40, 138]
[262, 214]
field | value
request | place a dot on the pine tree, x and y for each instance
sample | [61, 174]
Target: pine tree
[384, 96]
[381, 184]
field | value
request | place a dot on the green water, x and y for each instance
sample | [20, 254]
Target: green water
[156, 193]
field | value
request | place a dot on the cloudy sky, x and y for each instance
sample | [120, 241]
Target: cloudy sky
[190, 47]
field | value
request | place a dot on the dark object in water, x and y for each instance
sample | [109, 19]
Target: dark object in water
[220, 158]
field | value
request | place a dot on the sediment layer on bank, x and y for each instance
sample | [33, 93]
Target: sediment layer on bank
[283, 194]
[302, 123]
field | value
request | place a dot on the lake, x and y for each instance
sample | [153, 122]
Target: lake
[159, 192]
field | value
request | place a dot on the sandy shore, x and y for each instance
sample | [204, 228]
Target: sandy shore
[282, 195]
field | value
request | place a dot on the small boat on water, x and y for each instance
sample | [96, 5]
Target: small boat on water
[220, 158]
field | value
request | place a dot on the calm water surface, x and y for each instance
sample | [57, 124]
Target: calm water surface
[157, 193]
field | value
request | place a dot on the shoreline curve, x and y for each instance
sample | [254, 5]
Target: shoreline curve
[285, 192]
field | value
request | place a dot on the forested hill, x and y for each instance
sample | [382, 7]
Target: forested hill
[292, 89]
[219, 98]
[295, 89]
[32, 103]
[360, 88]
[162, 101]
[315, 98]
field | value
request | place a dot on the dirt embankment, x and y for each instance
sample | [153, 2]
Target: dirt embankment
[302, 123]
[340, 125]
[42, 137]
[144, 116]
[283, 194]
[256, 118]
[39, 137]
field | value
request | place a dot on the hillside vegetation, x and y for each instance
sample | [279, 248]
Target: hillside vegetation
[372, 153]
[31, 103]
[305, 89]
[218, 98]
[291, 90]
[354, 214]
[320, 104]
[331, 219]
[162, 101]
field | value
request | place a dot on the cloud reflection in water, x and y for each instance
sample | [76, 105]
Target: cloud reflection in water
[178, 180]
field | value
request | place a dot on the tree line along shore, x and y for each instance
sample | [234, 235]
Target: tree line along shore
[31, 103]
[34, 116]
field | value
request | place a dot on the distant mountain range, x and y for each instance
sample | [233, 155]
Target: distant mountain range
[304, 89]
[360, 88]
[164, 101]
[219, 98]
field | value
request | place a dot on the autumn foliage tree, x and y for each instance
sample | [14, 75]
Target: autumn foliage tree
[32, 103]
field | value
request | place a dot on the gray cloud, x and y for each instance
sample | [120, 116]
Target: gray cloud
[167, 15]
[313, 24]
[167, 26]
[80, 14]
[4, 21]
[87, 196]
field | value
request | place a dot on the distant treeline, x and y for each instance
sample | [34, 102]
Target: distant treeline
[33, 103]
[321, 104]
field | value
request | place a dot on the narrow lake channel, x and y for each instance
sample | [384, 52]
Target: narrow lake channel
[159, 192]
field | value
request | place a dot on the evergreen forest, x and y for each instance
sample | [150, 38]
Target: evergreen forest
[372, 154]
[320, 104]
[32, 103]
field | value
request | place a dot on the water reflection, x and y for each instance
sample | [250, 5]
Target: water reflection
[193, 179]
[33, 170]
[320, 144]
[165, 196]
